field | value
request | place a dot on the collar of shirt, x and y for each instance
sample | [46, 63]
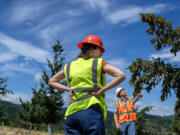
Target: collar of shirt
[124, 99]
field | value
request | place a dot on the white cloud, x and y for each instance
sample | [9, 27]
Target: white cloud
[112, 13]
[50, 32]
[158, 108]
[14, 98]
[47, 20]
[28, 11]
[157, 8]
[38, 77]
[74, 12]
[118, 62]
[94, 4]
[98, 4]
[131, 14]
[17, 67]
[165, 54]
[23, 48]
[127, 15]
[7, 56]
[22, 11]
[90, 6]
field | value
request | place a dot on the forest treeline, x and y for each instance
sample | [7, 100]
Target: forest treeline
[154, 124]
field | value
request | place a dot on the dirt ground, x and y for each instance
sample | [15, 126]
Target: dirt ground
[4, 130]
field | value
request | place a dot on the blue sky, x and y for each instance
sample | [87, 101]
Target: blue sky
[29, 28]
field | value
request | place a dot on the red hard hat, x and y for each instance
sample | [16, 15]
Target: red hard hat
[92, 39]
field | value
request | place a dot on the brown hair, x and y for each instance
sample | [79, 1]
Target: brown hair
[85, 51]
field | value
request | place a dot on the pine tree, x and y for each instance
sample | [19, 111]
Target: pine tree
[143, 126]
[147, 74]
[30, 114]
[49, 100]
[176, 119]
[3, 92]
[3, 87]
[3, 116]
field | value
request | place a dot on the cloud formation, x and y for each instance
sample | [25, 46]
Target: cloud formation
[22, 11]
[158, 108]
[7, 56]
[17, 67]
[38, 77]
[118, 62]
[165, 54]
[131, 14]
[14, 98]
[23, 48]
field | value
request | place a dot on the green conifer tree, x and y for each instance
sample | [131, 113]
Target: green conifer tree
[3, 116]
[3, 92]
[143, 126]
[176, 119]
[147, 74]
[49, 100]
[3, 87]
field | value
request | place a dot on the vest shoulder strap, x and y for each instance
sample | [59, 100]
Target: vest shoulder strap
[130, 100]
[67, 69]
[118, 102]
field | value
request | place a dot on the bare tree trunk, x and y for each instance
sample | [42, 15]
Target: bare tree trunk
[49, 129]
[30, 126]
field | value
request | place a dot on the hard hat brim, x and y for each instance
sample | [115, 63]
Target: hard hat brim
[118, 91]
[81, 44]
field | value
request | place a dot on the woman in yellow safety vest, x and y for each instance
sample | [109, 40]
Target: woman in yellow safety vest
[86, 77]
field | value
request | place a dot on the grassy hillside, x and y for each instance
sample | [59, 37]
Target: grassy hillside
[4, 130]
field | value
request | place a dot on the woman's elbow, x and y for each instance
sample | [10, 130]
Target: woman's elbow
[123, 77]
[50, 82]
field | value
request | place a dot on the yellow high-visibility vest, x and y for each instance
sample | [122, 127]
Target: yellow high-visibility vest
[84, 76]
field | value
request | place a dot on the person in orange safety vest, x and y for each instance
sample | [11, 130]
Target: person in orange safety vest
[125, 115]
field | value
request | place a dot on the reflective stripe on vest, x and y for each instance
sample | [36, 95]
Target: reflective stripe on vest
[126, 112]
[94, 79]
[67, 72]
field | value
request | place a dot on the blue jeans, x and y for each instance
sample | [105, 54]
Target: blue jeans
[86, 122]
[128, 128]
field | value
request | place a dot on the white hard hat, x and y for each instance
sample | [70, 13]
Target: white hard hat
[118, 90]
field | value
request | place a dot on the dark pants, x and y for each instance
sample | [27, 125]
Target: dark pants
[87, 122]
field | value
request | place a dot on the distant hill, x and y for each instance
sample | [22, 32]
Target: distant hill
[158, 123]
[11, 109]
